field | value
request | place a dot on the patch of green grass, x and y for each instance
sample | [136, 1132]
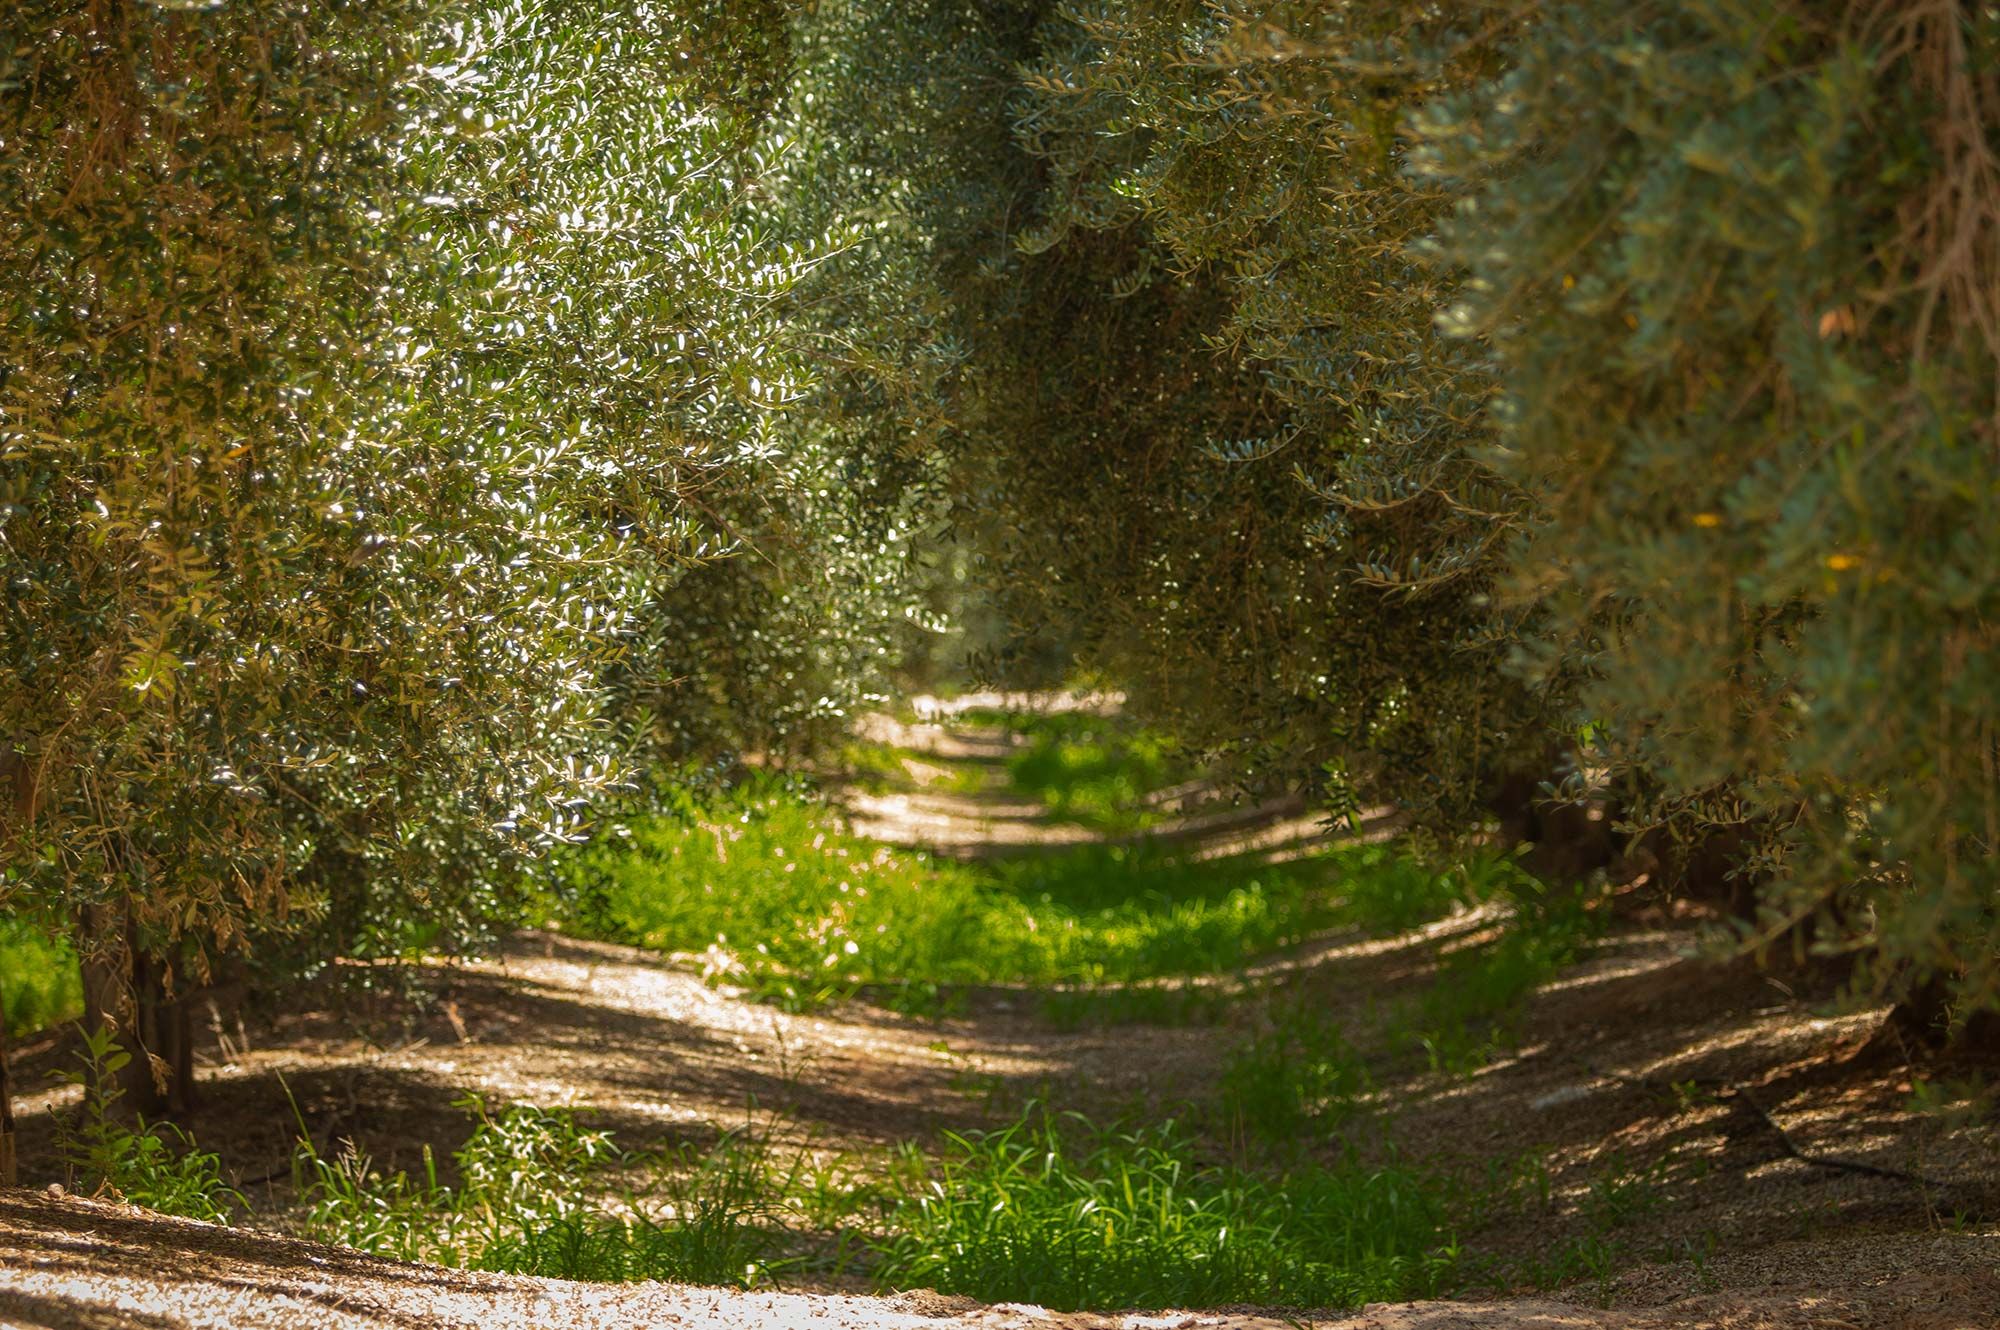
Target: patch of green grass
[1470, 1011]
[521, 1170]
[1095, 771]
[877, 767]
[39, 982]
[1295, 1082]
[533, 1197]
[1051, 1209]
[772, 892]
[1098, 783]
[1057, 1212]
[1390, 891]
[707, 1218]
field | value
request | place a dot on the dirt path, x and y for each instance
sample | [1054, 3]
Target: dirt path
[68, 1264]
[1636, 1061]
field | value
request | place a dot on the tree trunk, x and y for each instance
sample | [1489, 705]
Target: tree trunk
[9, 1174]
[1924, 1020]
[1567, 841]
[124, 988]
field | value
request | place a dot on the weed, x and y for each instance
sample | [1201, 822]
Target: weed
[1689, 1096]
[1592, 1256]
[1618, 1195]
[1468, 1013]
[1058, 1212]
[521, 1171]
[1622, 1192]
[1698, 1252]
[1954, 1103]
[1299, 1078]
[345, 1200]
[151, 1164]
[530, 1201]
[706, 1219]
[1387, 891]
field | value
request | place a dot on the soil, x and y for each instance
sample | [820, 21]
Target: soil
[1780, 1174]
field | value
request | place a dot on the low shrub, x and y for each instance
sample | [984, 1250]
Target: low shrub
[155, 1165]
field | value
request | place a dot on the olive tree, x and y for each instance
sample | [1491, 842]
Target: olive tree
[1740, 268]
[366, 370]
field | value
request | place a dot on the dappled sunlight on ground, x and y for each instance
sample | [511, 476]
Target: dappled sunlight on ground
[1638, 1075]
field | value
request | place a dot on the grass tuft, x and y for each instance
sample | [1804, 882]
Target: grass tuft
[533, 1199]
[1295, 1082]
[1057, 1212]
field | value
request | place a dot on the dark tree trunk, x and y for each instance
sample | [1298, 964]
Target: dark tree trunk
[1567, 841]
[124, 988]
[9, 1174]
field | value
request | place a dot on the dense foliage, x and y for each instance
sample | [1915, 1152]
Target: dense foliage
[1740, 267]
[1429, 402]
[374, 377]
[417, 416]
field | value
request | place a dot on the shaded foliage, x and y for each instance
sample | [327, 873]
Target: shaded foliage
[1442, 403]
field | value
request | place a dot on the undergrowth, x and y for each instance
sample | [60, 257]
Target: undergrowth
[40, 985]
[536, 1195]
[1470, 1011]
[155, 1165]
[1296, 1082]
[1050, 1209]
[772, 892]
[1056, 1211]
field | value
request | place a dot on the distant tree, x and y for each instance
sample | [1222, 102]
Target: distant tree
[1197, 421]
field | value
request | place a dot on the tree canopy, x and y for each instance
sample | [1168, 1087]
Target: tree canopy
[422, 423]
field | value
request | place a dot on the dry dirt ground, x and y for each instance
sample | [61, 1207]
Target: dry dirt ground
[1725, 1089]
[86, 1265]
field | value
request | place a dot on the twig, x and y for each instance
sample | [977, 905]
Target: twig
[1792, 1150]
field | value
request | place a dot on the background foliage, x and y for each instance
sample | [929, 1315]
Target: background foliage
[1433, 404]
